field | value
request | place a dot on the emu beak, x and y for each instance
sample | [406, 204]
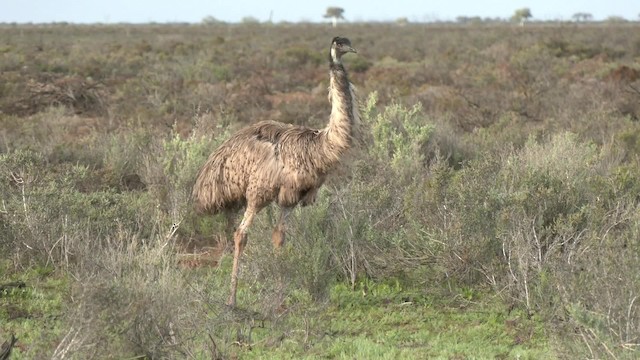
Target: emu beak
[350, 49]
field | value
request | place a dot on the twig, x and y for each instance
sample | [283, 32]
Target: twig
[20, 182]
[629, 311]
[172, 334]
[586, 342]
[5, 349]
[538, 245]
[631, 347]
[172, 231]
[507, 256]
[11, 285]
[215, 354]
[603, 344]
[352, 253]
[66, 344]
[634, 90]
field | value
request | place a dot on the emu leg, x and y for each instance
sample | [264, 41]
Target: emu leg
[227, 244]
[240, 241]
[278, 235]
[277, 238]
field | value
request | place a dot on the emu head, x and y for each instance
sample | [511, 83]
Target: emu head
[339, 47]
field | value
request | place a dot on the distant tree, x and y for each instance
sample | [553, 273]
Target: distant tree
[616, 19]
[521, 15]
[402, 21]
[493, 20]
[210, 20]
[582, 17]
[250, 20]
[469, 19]
[334, 13]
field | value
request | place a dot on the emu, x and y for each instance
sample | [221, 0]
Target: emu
[271, 161]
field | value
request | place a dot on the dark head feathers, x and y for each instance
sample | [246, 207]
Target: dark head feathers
[341, 41]
[339, 47]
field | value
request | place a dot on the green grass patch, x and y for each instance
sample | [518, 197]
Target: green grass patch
[384, 321]
[33, 313]
[377, 320]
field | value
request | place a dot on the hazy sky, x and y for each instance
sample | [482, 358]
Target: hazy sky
[141, 11]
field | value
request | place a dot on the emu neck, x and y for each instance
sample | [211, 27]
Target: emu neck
[341, 120]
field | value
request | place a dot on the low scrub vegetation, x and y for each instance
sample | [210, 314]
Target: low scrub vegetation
[489, 208]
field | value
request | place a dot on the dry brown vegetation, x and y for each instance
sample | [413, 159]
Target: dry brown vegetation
[496, 159]
[158, 76]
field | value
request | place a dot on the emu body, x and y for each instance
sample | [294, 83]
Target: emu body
[275, 162]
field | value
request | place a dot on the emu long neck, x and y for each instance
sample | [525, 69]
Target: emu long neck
[342, 118]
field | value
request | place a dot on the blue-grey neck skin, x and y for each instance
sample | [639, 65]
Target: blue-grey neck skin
[342, 87]
[338, 133]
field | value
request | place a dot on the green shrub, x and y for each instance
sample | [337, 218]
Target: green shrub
[400, 136]
[360, 64]
[550, 227]
[299, 56]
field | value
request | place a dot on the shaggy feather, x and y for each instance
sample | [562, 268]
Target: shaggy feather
[271, 161]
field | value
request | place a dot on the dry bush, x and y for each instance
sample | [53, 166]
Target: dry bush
[549, 226]
[596, 287]
[546, 194]
[131, 299]
[81, 95]
[119, 247]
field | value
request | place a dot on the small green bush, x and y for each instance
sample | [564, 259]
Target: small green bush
[299, 56]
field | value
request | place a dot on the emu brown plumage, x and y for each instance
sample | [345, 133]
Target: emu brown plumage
[271, 161]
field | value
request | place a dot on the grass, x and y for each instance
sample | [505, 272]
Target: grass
[34, 312]
[407, 324]
[375, 321]
[354, 326]
[385, 320]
